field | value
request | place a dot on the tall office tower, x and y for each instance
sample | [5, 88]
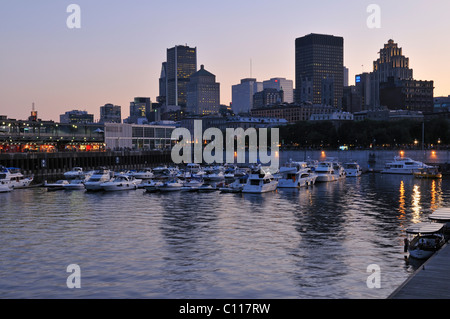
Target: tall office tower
[281, 84]
[181, 64]
[203, 93]
[140, 110]
[110, 113]
[364, 87]
[242, 95]
[319, 58]
[345, 76]
[391, 63]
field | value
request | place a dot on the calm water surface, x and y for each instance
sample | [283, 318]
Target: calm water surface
[308, 243]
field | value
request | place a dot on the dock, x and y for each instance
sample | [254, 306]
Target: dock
[430, 281]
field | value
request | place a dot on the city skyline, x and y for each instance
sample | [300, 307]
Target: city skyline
[117, 53]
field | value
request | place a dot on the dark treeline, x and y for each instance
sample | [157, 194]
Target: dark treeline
[363, 134]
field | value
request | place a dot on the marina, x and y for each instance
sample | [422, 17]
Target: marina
[177, 236]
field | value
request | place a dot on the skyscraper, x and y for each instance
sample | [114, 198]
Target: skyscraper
[281, 84]
[203, 93]
[320, 59]
[180, 65]
[391, 63]
[110, 113]
[242, 95]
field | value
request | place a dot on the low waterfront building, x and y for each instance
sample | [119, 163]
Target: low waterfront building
[138, 137]
[293, 112]
[388, 115]
[335, 116]
[48, 136]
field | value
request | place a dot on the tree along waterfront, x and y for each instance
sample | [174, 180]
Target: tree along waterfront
[367, 134]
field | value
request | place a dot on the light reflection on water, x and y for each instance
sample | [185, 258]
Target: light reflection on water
[309, 243]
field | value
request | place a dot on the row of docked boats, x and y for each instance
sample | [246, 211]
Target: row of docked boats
[194, 177]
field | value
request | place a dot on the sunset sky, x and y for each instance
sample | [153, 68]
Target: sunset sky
[117, 53]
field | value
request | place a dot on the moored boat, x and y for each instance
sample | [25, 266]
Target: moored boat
[58, 185]
[5, 187]
[404, 165]
[151, 186]
[171, 186]
[99, 176]
[325, 172]
[352, 169]
[295, 175]
[261, 182]
[15, 177]
[424, 239]
[442, 215]
[121, 183]
[428, 173]
[143, 174]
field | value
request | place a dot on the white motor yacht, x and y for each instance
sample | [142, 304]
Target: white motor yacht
[325, 172]
[121, 183]
[236, 187]
[171, 186]
[260, 183]
[151, 186]
[144, 174]
[76, 184]
[295, 175]
[15, 177]
[5, 187]
[192, 185]
[339, 170]
[58, 185]
[75, 173]
[352, 169]
[99, 176]
[404, 165]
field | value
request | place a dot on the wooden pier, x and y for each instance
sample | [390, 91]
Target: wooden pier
[430, 281]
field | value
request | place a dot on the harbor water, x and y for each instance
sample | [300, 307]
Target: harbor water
[315, 242]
